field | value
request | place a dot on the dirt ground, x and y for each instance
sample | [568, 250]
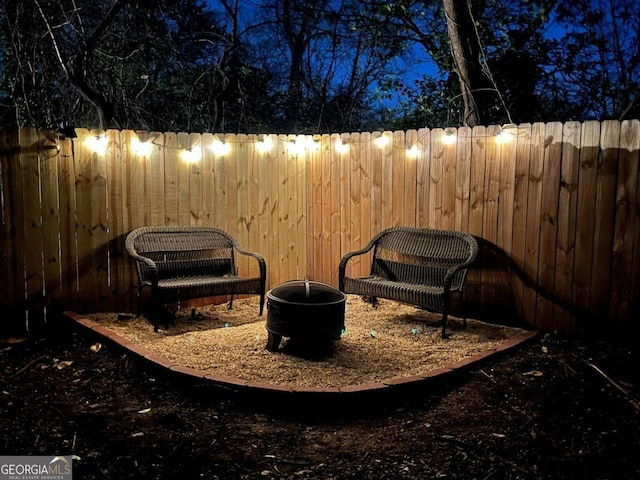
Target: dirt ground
[553, 409]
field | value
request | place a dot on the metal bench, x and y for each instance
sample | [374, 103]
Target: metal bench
[416, 266]
[183, 263]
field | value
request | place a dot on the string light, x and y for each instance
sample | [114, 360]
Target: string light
[295, 147]
[265, 145]
[413, 152]
[142, 149]
[505, 135]
[97, 144]
[191, 155]
[449, 136]
[342, 147]
[381, 141]
[220, 148]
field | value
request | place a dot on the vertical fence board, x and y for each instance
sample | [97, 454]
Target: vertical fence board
[605, 209]
[365, 233]
[386, 189]
[506, 195]
[435, 179]
[378, 152]
[170, 160]
[315, 212]
[67, 208]
[409, 181]
[491, 186]
[463, 178]
[241, 154]
[478, 162]
[293, 216]
[355, 201]
[49, 186]
[395, 182]
[327, 219]
[422, 179]
[207, 169]
[115, 239]
[449, 188]
[12, 268]
[195, 180]
[585, 215]
[549, 222]
[626, 216]
[567, 205]
[344, 194]
[32, 230]
[128, 279]
[99, 224]
[534, 204]
[253, 204]
[520, 195]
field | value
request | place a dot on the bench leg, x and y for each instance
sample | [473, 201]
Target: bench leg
[261, 304]
[230, 306]
[444, 326]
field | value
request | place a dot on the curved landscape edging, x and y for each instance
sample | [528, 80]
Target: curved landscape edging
[231, 383]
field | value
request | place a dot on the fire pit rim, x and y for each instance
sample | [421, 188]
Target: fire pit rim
[328, 288]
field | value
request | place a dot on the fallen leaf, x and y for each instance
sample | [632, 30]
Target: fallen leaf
[64, 364]
[499, 435]
[137, 434]
[14, 340]
[95, 347]
[145, 410]
[533, 373]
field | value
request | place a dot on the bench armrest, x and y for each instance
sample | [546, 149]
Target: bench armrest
[149, 264]
[345, 259]
[259, 258]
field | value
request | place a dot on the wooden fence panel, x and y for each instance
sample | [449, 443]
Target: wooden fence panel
[560, 202]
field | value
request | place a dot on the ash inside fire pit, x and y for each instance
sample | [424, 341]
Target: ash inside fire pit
[304, 310]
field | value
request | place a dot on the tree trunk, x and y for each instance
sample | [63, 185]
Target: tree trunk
[466, 51]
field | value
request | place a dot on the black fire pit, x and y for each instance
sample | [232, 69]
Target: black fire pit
[301, 309]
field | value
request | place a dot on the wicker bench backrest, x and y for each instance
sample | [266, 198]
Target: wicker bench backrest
[185, 252]
[421, 256]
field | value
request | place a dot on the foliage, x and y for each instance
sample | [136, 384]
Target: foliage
[298, 66]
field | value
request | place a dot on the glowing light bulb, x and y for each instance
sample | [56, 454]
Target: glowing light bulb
[413, 152]
[191, 155]
[265, 145]
[449, 137]
[342, 147]
[142, 149]
[97, 144]
[381, 141]
[220, 148]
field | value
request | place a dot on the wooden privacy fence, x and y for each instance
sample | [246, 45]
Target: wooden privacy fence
[555, 207]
